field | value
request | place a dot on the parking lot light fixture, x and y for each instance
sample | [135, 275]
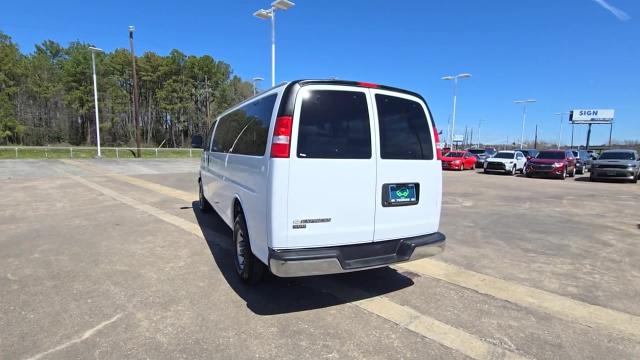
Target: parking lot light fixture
[561, 120]
[455, 90]
[266, 14]
[95, 95]
[255, 84]
[524, 116]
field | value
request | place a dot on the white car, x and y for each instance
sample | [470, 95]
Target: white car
[320, 177]
[508, 162]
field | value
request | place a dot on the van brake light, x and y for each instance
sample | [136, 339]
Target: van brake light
[368, 85]
[436, 138]
[281, 142]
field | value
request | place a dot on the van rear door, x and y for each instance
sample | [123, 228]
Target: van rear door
[409, 175]
[332, 174]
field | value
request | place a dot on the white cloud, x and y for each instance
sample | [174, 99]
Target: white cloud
[621, 15]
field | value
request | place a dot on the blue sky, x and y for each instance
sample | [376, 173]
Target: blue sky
[566, 54]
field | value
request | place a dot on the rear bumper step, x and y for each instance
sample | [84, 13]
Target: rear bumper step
[346, 258]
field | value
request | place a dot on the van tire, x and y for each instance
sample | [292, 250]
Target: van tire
[248, 267]
[203, 204]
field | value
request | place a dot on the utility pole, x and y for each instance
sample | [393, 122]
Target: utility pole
[466, 136]
[206, 94]
[610, 132]
[572, 128]
[478, 137]
[535, 141]
[449, 137]
[471, 138]
[135, 93]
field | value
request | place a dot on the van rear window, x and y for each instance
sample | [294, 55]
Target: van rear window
[404, 129]
[334, 125]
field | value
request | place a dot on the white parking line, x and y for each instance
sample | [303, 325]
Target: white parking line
[560, 306]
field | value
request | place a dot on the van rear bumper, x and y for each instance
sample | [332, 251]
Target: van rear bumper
[346, 258]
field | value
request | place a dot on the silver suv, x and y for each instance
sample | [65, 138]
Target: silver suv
[616, 164]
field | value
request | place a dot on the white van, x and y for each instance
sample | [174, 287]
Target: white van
[325, 176]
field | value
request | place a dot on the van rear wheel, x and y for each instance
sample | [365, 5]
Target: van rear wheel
[248, 266]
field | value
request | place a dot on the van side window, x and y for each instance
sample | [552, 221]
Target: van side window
[253, 139]
[404, 129]
[210, 135]
[228, 129]
[334, 125]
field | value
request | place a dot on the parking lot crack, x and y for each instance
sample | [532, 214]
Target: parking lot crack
[87, 334]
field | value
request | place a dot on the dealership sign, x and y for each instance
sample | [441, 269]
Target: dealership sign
[592, 116]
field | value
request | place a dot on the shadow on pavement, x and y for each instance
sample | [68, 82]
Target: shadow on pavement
[612, 180]
[275, 295]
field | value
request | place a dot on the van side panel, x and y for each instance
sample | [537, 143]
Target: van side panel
[216, 188]
[247, 181]
[278, 195]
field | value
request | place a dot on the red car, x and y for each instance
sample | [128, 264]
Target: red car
[458, 160]
[552, 163]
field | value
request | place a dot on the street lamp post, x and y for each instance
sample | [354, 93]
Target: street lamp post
[135, 92]
[255, 84]
[561, 120]
[271, 14]
[95, 95]
[524, 117]
[455, 90]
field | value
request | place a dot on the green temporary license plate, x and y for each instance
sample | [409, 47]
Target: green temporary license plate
[402, 193]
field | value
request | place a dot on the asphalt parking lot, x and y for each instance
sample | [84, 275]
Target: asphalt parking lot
[108, 259]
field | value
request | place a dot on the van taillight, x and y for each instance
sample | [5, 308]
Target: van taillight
[368, 85]
[436, 138]
[281, 142]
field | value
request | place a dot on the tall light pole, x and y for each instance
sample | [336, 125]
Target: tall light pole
[95, 95]
[524, 116]
[135, 92]
[562, 114]
[479, 123]
[455, 91]
[255, 84]
[271, 14]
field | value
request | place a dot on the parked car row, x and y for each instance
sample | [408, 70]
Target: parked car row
[612, 164]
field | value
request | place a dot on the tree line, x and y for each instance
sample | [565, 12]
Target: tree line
[46, 97]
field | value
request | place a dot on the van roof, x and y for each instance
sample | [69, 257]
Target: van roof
[354, 83]
[291, 87]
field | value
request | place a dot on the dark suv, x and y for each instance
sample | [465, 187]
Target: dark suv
[552, 163]
[529, 153]
[481, 156]
[583, 160]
